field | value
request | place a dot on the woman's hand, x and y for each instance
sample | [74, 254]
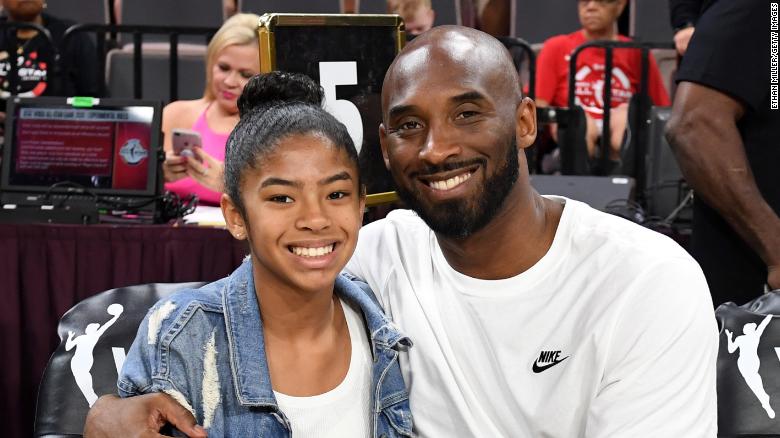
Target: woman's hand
[206, 170]
[174, 167]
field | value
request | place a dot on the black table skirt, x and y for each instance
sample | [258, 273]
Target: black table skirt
[46, 269]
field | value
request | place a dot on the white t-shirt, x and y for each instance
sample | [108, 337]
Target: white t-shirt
[615, 319]
[342, 412]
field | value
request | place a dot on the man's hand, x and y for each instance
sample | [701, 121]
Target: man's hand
[682, 38]
[138, 417]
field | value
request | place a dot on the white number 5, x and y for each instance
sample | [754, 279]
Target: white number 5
[342, 73]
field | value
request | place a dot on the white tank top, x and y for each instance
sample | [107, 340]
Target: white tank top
[342, 412]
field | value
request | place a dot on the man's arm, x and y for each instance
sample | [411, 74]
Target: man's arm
[140, 416]
[704, 136]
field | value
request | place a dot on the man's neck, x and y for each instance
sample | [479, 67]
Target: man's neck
[608, 34]
[517, 237]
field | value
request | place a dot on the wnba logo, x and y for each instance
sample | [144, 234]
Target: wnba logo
[133, 152]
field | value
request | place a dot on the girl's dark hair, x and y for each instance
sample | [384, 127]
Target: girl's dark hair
[274, 106]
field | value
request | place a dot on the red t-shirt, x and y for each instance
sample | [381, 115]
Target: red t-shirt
[552, 75]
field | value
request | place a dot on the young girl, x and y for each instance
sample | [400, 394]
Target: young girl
[284, 345]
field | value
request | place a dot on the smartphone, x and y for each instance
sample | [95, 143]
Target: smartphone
[184, 140]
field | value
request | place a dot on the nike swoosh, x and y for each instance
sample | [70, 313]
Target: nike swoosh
[538, 369]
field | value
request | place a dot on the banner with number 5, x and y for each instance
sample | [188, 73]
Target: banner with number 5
[348, 55]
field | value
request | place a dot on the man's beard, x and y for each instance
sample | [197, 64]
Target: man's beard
[461, 218]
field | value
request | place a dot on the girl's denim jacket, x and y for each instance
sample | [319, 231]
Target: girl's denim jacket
[205, 348]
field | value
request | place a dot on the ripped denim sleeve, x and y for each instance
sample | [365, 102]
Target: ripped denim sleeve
[178, 350]
[143, 371]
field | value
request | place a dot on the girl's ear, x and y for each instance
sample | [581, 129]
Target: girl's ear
[233, 218]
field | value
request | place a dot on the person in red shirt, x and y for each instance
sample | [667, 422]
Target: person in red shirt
[599, 22]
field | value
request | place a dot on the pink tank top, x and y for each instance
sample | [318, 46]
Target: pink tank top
[214, 145]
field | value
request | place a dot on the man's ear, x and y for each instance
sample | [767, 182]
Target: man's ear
[383, 144]
[525, 123]
[233, 218]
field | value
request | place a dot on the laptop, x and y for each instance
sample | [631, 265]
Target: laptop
[103, 154]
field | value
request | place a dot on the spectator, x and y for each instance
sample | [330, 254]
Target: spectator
[727, 140]
[231, 59]
[418, 15]
[35, 57]
[599, 22]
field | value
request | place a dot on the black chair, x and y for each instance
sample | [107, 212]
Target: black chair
[447, 12]
[80, 11]
[95, 335]
[649, 20]
[571, 127]
[535, 21]
[372, 6]
[261, 7]
[749, 377]
[193, 13]
[190, 78]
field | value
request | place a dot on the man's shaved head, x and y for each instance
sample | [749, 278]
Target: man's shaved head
[454, 47]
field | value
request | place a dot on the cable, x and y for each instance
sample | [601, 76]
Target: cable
[170, 205]
[626, 209]
[673, 215]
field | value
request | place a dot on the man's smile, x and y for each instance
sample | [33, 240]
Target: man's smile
[449, 180]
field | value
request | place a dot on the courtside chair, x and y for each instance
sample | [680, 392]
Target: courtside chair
[749, 368]
[202, 13]
[154, 78]
[261, 7]
[193, 13]
[372, 6]
[535, 21]
[95, 336]
[80, 11]
[447, 12]
[649, 20]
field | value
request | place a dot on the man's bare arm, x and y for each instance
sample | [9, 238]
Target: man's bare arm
[703, 133]
[138, 417]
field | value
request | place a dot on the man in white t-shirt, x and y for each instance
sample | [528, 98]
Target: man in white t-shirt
[531, 316]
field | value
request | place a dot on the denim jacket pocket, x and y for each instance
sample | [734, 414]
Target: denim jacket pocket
[399, 416]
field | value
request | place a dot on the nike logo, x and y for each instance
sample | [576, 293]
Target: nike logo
[549, 358]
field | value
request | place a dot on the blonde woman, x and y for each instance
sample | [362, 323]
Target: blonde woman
[231, 59]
